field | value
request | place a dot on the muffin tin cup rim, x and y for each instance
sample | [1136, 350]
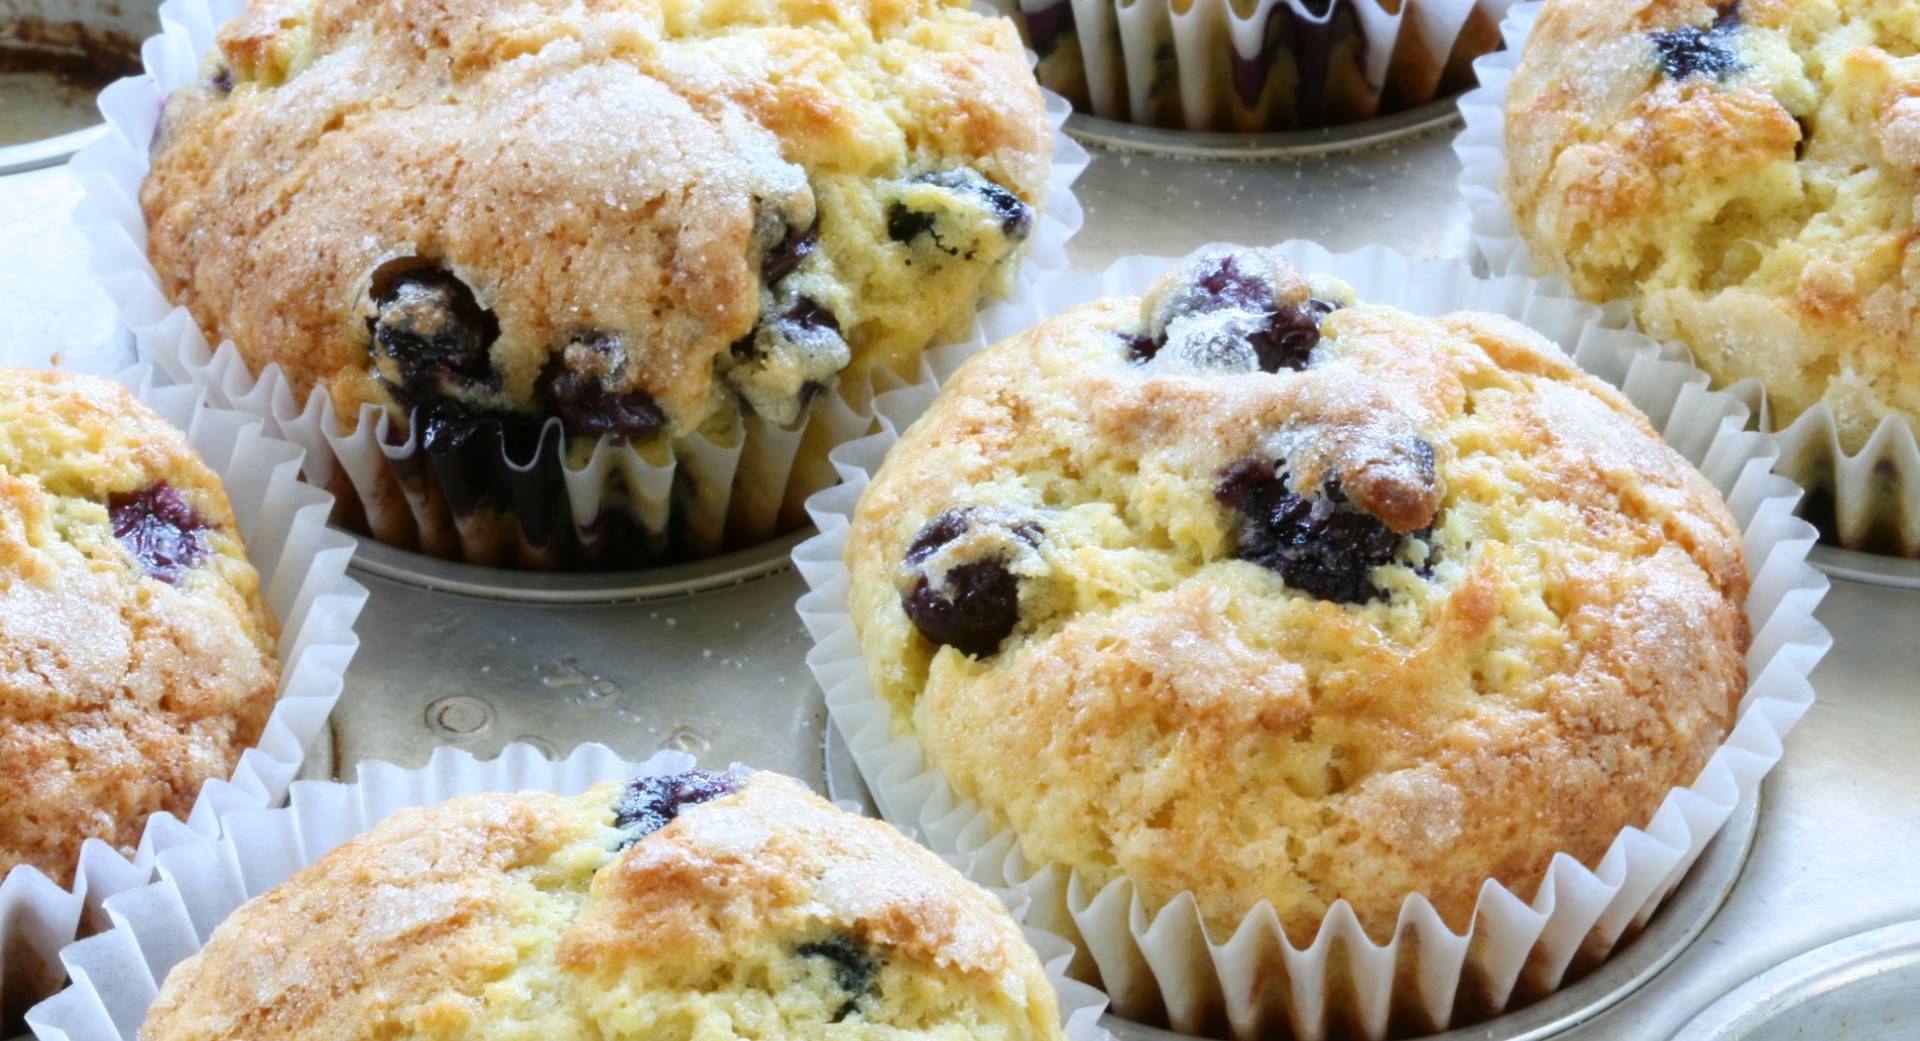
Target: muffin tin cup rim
[315, 603]
[1867, 507]
[749, 482]
[1439, 114]
[1574, 905]
[1755, 1009]
[117, 973]
[588, 587]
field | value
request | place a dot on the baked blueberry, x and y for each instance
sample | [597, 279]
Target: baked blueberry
[951, 216]
[856, 968]
[976, 605]
[1140, 348]
[651, 803]
[1016, 217]
[222, 80]
[1222, 314]
[1696, 51]
[1322, 545]
[905, 225]
[795, 352]
[1290, 335]
[782, 259]
[427, 328]
[159, 529]
[574, 384]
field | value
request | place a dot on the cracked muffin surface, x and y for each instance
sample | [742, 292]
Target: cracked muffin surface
[136, 651]
[1745, 174]
[1257, 591]
[697, 905]
[640, 217]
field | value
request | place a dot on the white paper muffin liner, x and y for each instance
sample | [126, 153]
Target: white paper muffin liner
[1869, 500]
[117, 973]
[303, 574]
[735, 489]
[1253, 65]
[1253, 982]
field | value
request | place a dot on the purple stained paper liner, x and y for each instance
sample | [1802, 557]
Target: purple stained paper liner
[1255, 66]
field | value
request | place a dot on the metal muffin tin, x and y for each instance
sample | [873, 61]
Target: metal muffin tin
[710, 657]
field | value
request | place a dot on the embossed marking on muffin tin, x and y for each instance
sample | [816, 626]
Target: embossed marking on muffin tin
[705, 657]
[1288, 144]
[1864, 986]
[1678, 921]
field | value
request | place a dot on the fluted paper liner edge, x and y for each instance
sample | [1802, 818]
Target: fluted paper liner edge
[303, 575]
[361, 463]
[1164, 964]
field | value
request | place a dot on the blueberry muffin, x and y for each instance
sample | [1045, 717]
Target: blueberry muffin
[1255, 591]
[642, 218]
[136, 652]
[694, 905]
[1745, 174]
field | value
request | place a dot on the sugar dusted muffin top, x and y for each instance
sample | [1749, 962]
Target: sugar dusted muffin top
[136, 652]
[1253, 590]
[1746, 174]
[694, 905]
[639, 216]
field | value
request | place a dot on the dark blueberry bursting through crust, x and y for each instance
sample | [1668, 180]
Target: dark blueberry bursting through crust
[1696, 51]
[159, 529]
[651, 803]
[781, 260]
[223, 80]
[980, 603]
[904, 225]
[1290, 336]
[428, 322]
[1323, 546]
[587, 408]
[856, 968]
[1140, 348]
[1228, 287]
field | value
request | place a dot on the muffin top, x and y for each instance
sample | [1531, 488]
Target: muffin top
[136, 652]
[638, 216]
[1745, 173]
[1252, 591]
[688, 905]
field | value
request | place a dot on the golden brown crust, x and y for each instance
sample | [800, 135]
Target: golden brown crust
[120, 693]
[1563, 647]
[602, 171]
[1763, 215]
[494, 910]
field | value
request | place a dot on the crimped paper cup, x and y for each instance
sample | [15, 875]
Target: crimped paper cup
[1869, 500]
[303, 574]
[1162, 963]
[527, 506]
[117, 974]
[1254, 65]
